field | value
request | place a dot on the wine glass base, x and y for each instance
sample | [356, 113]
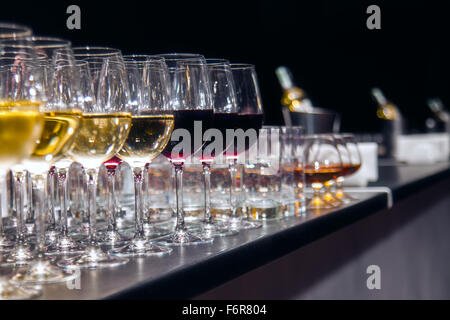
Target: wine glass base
[241, 224]
[150, 231]
[64, 246]
[330, 198]
[92, 258]
[182, 238]
[21, 255]
[43, 272]
[51, 236]
[344, 197]
[213, 230]
[11, 291]
[112, 239]
[141, 248]
[6, 244]
[318, 203]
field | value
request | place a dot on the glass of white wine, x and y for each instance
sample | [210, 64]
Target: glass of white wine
[75, 75]
[21, 124]
[47, 53]
[61, 121]
[104, 127]
[151, 129]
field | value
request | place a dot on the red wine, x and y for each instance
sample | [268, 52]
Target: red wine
[244, 121]
[184, 119]
[112, 164]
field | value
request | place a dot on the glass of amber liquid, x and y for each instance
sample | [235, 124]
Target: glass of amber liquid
[351, 162]
[322, 162]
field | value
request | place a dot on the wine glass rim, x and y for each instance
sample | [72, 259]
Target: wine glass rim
[14, 30]
[39, 42]
[174, 55]
[241, 66]
[218, 61]
[96, 51]
[143, 60]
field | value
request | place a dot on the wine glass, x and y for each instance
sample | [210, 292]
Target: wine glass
[61, 120]
[103, 130]
[190, 100]
[156, 91]
[95, 57]
[47, 51]
[224, 103]
[21, 97]
[351, 163]
[14, 31]
[151, 129]
[322, 162]
[249, 118]
[73, 83]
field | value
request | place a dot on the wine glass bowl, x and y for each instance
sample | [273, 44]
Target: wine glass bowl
[322, 163]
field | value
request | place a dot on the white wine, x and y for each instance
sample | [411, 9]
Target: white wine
[20, 126]
[100, 136]
[149, 135]
[57, 136]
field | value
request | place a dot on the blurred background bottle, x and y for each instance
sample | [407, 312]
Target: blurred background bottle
[293, 98]
[391, 123]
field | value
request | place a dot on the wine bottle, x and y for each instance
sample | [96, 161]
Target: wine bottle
[293, 98]
[391, 119]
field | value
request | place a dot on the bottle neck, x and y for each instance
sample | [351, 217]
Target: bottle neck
[284, 77]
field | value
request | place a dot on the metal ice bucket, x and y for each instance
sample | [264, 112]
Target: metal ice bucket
[319, 121]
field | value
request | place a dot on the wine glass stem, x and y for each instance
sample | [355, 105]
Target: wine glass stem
[112, 226]
[3, 205]
[29, 216]
[52, 198]
[38, 189]
[146, 197]
[62, 191]
[179, 197]
[19, 181]
[138, 210]
[92, 175]
[232, 168]
[339, 183]
[207, 189]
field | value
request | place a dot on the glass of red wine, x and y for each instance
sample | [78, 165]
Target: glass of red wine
[224, 102]
[249, 118]
[190, 100]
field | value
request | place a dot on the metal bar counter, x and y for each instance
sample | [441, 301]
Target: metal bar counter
[192, 271]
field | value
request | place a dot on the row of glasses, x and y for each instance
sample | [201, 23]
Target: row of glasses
[97, 105]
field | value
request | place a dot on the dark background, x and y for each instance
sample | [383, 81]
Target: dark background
[332, 54]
